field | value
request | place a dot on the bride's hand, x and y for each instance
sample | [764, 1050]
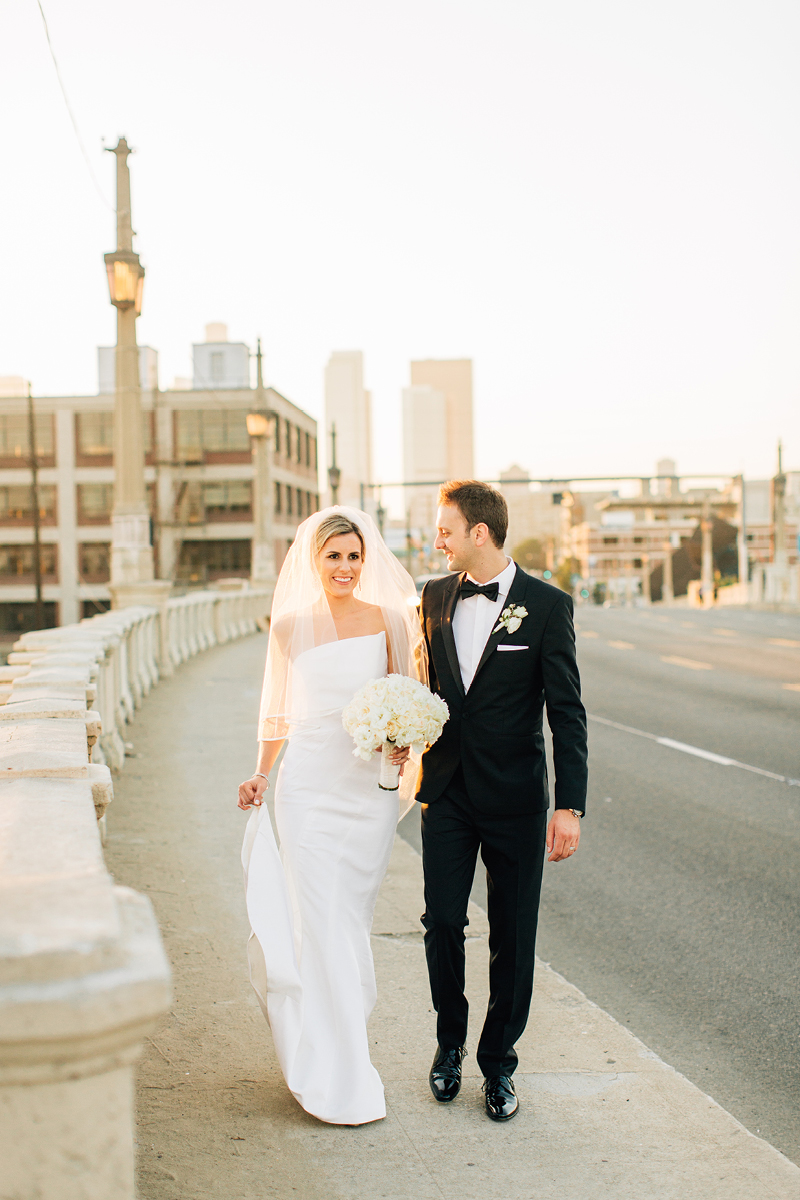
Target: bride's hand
[251, 791]
[399, 757]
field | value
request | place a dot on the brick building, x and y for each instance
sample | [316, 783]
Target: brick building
[199, 480]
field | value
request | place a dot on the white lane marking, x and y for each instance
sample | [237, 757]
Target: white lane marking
[691, 663]
[792, 687]
[588, 633]
[783, 642]
[622, 645]
[726, 632]
[717, 758]
[720, 759]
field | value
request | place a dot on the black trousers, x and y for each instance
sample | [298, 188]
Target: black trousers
[512, 849]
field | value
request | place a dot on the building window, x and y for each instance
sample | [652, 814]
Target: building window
[289, 500]
[211, 431]
[287, 445]
[17, 561]
[95, 434]
[95, 502]
[14, 443]
[94, 562]
[90, 608]
[308, 449]
[637, 562]
[314, 463]
[229, 500]
[637, 541]
[20, 617]
[277, 497]
[610, 541]
[15, 505]
[203, 561]
[300, 503]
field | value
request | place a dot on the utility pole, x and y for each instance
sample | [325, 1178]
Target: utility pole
[707, 561]
[779, 556]
[37, 532]
[646, 593]
[667, 585]
[741, 537]
[334, 474]
[259, 426]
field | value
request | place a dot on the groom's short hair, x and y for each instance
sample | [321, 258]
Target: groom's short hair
[479, 504]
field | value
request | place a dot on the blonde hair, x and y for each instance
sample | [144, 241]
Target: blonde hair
[336, 525]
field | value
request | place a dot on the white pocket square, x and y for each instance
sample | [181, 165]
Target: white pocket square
[506, 647]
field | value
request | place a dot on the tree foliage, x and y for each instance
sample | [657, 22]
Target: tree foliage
[530, 554]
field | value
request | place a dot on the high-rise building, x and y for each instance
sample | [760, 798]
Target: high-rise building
[437, 433]
[453, 378]
[348, 407]
[424, 451]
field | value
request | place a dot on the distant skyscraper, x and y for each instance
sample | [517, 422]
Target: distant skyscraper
[453, 378]
[349, 407]
[424, 450]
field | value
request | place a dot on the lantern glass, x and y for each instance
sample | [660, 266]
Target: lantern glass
[258, 424]
[125, 281]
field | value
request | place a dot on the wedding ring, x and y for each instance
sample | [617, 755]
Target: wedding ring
[572, 847]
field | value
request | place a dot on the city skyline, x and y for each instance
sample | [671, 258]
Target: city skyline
[621, 263]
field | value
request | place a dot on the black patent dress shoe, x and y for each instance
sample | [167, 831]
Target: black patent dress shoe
[501, 1099]
[445, 1075]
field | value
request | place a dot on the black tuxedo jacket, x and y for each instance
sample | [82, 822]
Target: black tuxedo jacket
[495, 729]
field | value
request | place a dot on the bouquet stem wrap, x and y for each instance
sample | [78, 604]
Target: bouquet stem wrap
[389, 779]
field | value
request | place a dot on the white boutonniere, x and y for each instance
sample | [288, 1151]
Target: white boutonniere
[511, 618]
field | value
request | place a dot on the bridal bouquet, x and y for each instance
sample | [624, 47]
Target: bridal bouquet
[389, 712]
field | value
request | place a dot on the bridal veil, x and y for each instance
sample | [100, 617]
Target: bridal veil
[301, 620]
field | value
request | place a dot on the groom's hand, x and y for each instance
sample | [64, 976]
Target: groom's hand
[563, 835]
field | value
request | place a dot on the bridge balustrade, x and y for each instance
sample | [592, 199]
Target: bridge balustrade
[83, 974]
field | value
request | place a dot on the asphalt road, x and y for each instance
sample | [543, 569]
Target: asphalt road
[680, 914]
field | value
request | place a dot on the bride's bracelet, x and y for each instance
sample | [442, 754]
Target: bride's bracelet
[261, 775]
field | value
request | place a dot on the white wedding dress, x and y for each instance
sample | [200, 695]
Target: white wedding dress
[311, 904]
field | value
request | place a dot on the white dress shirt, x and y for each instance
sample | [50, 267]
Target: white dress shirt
[473, 621]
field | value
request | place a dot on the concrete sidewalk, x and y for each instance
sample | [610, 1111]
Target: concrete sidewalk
[601, 1116]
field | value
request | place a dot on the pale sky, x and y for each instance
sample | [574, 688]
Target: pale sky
[598, 201]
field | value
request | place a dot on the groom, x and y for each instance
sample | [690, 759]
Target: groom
[500, 646]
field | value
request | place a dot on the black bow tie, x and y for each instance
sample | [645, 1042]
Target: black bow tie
[490, 590]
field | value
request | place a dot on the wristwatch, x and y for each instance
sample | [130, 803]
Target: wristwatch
[576, 812]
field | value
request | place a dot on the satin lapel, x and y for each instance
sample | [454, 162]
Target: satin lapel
[448, 608]
[515, 595]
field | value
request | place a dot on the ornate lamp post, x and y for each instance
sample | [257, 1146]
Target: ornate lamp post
[260, 426]
[334, 474]
[131, 551]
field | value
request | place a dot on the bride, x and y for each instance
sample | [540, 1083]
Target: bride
[344, 613]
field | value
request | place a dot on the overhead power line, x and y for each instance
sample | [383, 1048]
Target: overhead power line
[69, 110]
